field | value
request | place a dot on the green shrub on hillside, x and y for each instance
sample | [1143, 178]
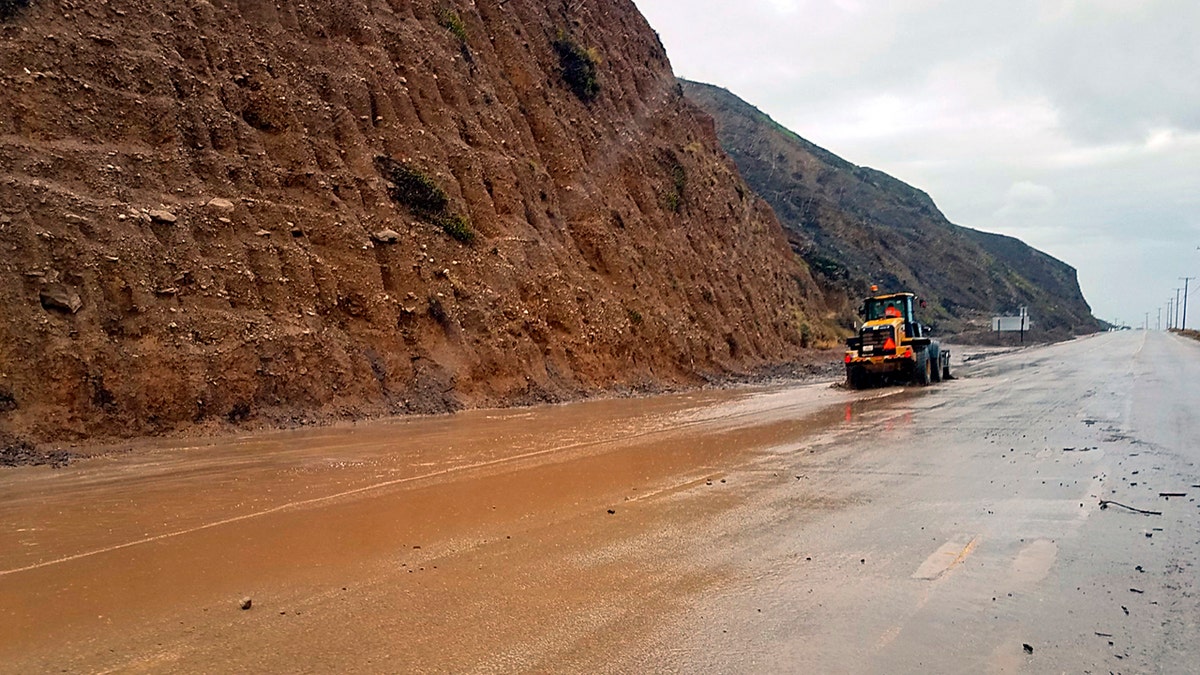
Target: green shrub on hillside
[579, 67]
[673, 195]
[458, 227]
[417, 191]
[412, 188]
[451, 21]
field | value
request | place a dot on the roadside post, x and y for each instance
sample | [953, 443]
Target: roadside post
[1183, 325]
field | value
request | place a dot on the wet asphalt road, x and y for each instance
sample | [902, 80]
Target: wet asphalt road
[786, 529]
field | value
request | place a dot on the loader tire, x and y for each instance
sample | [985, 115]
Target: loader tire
[856, 377]
[922, 369]
[935, 363]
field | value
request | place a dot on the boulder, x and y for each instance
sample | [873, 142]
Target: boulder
[61, 297]
[220, 205]
[387, 236]
[161, 216]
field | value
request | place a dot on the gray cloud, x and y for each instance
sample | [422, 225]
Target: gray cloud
[1072, 124]
[1115, 70]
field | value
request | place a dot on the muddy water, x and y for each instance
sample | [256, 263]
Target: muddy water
[799, 529]
[147, 547]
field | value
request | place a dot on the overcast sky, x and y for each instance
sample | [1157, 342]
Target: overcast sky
[1073, 125]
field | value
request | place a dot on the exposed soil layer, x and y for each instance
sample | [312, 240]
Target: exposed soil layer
[218, 213]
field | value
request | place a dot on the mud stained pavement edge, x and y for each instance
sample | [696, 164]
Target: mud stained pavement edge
[128, 550]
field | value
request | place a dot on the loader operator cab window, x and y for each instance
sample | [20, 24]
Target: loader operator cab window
[894, 308]
[891, 308]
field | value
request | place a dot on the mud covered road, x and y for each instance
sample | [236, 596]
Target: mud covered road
[786, 529]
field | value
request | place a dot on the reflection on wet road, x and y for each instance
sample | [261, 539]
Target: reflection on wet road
[780, 529]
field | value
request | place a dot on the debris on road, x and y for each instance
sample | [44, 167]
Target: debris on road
[1028, 648]
[1105, 502]
[1172, 494]
[16, 451]
[246, 602]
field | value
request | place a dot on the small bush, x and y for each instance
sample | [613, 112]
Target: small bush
[451, 21]
[674, 195]
[579, 67]
[413, 188]
[458, 227]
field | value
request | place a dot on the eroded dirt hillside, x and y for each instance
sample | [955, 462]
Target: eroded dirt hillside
[247, 210]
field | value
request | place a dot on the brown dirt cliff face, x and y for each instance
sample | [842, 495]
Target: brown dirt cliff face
[198, 218]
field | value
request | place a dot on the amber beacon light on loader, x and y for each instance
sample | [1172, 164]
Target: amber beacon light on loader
[892, 346]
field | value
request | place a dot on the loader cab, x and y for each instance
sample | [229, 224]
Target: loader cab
[895, 306]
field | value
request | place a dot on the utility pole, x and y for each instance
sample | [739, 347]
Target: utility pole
[1185, 294]
[1158, 324]
[1177, 290]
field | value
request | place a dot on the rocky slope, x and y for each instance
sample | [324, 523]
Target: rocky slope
[859, 226]
[233, 211]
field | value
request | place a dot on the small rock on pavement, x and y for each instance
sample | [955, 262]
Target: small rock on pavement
[161, 216]
[60, 297]
[1028, 648]
[388, 236]
[246, 602]
[220, 205]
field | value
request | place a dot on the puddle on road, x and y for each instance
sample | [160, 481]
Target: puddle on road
[162, 526]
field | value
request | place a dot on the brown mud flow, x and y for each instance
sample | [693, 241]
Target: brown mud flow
[543, 524]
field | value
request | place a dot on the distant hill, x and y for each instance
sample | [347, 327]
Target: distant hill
[856, 226]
